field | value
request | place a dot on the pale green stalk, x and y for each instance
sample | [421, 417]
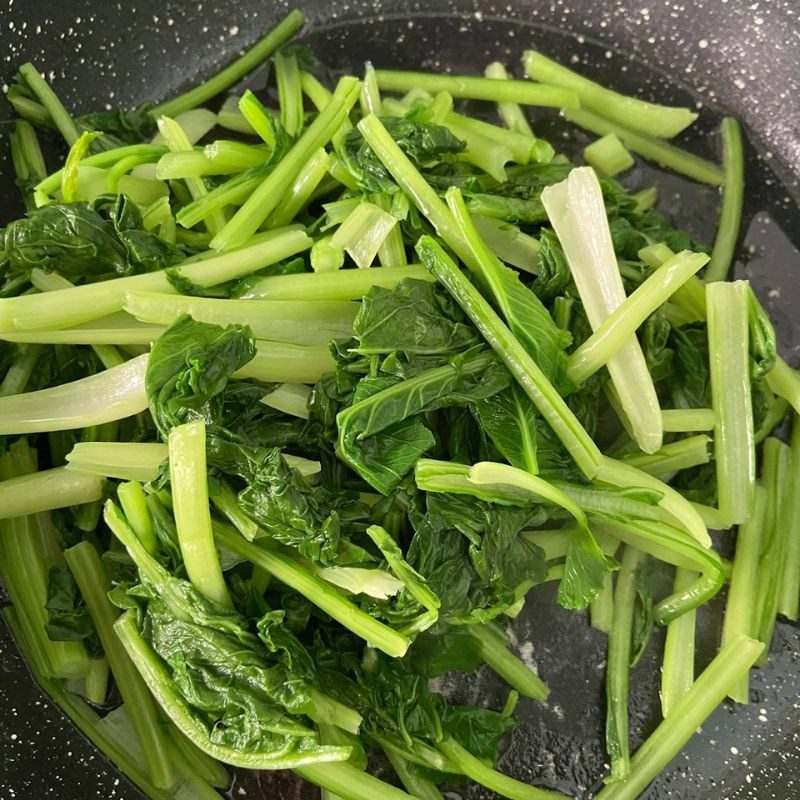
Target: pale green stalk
[510, 112]
[299, 193]
[686, 420]
[677, 670]
[126, 461]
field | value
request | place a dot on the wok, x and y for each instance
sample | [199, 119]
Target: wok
[734, 56]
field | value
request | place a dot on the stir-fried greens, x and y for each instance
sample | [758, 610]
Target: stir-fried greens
[299, 400]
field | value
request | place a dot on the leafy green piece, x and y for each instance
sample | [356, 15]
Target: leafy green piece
[86, 242]
[127, 126]
[414, 317]
[189, 367]
[380, 435]
[445, 648]
[68, 619]
[423, 142]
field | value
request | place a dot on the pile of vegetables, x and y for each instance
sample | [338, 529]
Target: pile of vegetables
[302, 394]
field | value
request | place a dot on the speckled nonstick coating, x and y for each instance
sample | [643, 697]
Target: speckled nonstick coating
[734, 56]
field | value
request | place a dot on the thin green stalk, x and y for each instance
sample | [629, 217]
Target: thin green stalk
[646, 199]
[789, 599]
[304, 322]
[177, 142]
[349, 782]
[775, 471]
[734, 444]
[318, 592]
[134, 506]
[120, 331]
[691, 711]
[218, 158]
[230, 117]
[524, 149]
[348, 284]
[96, 681]
[608, 155]
[233, 192]
[472, 87]
[630, 315]
[492, 779]
[649, 118]
[298, 195]
[321, 98]
[730, 217]
[30, 110]
[673, 546]
[290, 92]
[741, 610]
[619, 657]
[19, 373]
[266, 197]
[601, 610]
[524, 369]
[661, 152]
[515, 672]
[86, 567]
[235, 71]
[672, 457]
[26, 155]
[677, 670]
[785, 382]
[188, 479]
[512, 115]
[107, 396]
[290, 398]
[67, 307]
[686, 420]
[49, 99]
[415, 783]
[370, 99]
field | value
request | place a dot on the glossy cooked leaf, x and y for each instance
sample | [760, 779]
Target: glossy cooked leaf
[414, 317]
[445, 648]
[478, 730]
[189, 368]
[86, 242]
[128, 126]
[585, 570]
[552, 270]
[68, 619]
[380, 436]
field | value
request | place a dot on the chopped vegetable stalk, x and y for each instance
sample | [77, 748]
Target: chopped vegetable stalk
[86, 567]
[646, 198]
[611, 334]
[472, 87]
[508, 242]
[187, 472]
[775, 471]
[734, 444]
[649, 118]
[28, 551]
[66, 307]
[46, 490]
[515, 672]
[601, 610]
[298, 195]
[663, 153]
[619, 658]
[487, 154]
[789, 599]
[230, 117]
[27, 158]
[279, 362]
[524, 369]
[107, 396]
[685, 420]
[494, 781]
[266, 197]
[576, 211]
[370, 93]
[218, 158]
[290, 92]
[47, 97]
[178, 142]
[512, 115]
[233, 192]
[682, 454]
[235, 71]
[318, 592]
[523, 149]
[608, 155]
[20, 371]
[351, 284]
[308, 322]
[290, 398]
[134, 506]
[677, 670]
[707, 692]
[115, 329]
[363, 233]
[414, 781]
[732, 199]
[741, 611]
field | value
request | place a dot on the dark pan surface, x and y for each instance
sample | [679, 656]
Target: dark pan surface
[734, 56]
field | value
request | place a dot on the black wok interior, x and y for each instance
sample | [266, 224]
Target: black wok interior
[736, 57]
